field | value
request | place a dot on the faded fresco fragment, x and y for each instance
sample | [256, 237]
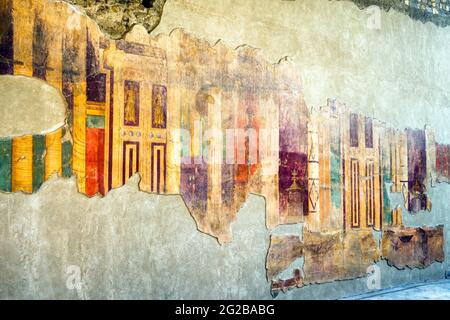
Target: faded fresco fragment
[354, 164]
[442, 163]
[214, 124]
[283, 251]
[183, 114]
[413, 247]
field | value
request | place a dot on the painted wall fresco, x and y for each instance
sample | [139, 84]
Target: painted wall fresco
[413, 247]
[215, 124]
[442, 163]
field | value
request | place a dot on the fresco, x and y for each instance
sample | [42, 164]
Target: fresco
[413, 247]
[214, 124]
[442, 163]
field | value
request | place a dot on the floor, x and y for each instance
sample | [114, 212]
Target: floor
[435, 290]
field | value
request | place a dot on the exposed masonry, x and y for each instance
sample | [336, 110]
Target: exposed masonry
[116, 17]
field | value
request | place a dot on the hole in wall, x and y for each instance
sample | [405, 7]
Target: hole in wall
[148, 3]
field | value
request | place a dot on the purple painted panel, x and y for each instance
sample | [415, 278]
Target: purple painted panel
[292, 181]
[228, 184]
[132, 103]
[354, 126]
[159, 106]
[95, 81]
[7, 40]
[292, 171]
[417, 170]
[40, 49]
[194, 186]
[70, 73]
[368, 128]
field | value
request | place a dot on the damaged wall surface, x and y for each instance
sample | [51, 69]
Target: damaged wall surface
[116, 17]
[338, 204]
[435, 11]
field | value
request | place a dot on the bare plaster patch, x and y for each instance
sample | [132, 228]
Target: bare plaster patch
[127, 245]
[29, 106]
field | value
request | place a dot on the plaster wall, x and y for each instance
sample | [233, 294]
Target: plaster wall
[131, 244]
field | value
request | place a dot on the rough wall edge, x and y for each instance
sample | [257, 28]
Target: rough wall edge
[116, 33]
[412, 13]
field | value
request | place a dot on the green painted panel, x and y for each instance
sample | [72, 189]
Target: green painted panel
[5, 164]
[38, 161]
[95, 122]
[386, 165]
[335, 166]
[387, 209]
[66, 154]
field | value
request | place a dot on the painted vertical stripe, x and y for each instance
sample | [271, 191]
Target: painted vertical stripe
[79, 137]
[66, 159]
[387, 209]
[40, 49]
[5, 164]
[110, 126]
[94, 161]
[91, 161]
[335, 166]
[101, 161]
[53, 154]
[158, 171]
[7, 39]
[125, 159]
[68, 75]
[38, 161]
[22, 164]
[379, 226]
[130, 163]
[158, 167]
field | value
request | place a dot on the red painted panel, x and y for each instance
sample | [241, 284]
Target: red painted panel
[95, 161]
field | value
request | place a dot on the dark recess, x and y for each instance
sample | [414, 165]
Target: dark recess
[147, 3]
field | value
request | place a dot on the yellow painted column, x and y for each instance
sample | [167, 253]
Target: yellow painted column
[53, 153]
[79, 110]
[173, 139]
[22, 164]
[23, 16]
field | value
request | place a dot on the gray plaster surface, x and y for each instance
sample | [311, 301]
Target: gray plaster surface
[135, 245]
[127, 245]
[433, 290]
